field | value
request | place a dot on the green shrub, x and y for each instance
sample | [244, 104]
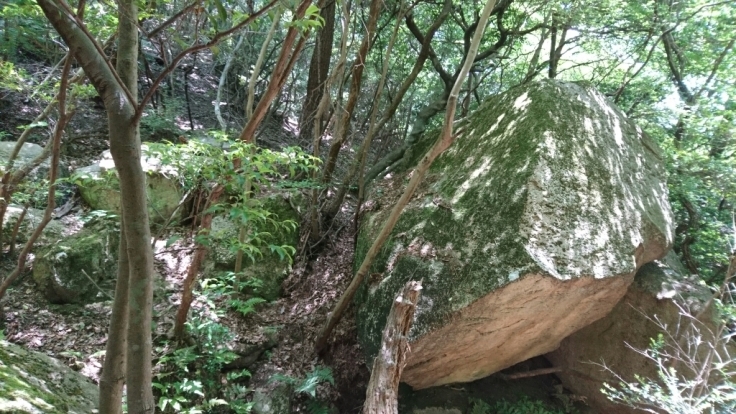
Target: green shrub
[190, 379]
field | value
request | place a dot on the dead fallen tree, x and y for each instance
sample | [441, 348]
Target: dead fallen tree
[382, 393]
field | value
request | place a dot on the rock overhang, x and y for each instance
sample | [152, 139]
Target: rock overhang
[545, 181]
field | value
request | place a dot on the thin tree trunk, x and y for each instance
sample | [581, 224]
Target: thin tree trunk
[418, 128]
[112, 378]
[243, 232]
[315, 233]
[125, 147]
[279, 72]
[284, 64]
[533, 69]
[221, 83]
[319, 68]
[118, 89]
[16, 230]
[259, 64]
[334, 206]
[198, 258]
[443, 142]
[382, 395]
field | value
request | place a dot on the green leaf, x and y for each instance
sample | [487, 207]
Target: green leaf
[173, 239]
[221, 10]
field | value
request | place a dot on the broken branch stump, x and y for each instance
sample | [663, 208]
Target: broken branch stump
[382, 394]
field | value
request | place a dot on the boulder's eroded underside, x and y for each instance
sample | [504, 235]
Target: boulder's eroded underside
[531, 317]
[530, 227]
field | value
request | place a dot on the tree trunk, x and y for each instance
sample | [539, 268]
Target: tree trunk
[118, 89]
[55, 145]
[359, 160]
[112, 378]
[418, 128]
[284, 64]
[319, 68]
[198, 258]
[382, 395]
[279, 72]
[125, 147]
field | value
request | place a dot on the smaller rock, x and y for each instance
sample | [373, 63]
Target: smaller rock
[33, 383]
[62, 271]
[28, 152]
[277, 400]
[100, 187]
[248, 354]
[660, 290]
[33, 217]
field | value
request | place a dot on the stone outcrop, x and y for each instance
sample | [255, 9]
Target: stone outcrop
[33, 383]
[661, 291]
[62, 271]
[529, 228]
[99, 186]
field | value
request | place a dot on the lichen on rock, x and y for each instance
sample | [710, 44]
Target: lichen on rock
[528, 228]
[62, 271]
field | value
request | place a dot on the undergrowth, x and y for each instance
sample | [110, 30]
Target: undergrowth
[521, 406]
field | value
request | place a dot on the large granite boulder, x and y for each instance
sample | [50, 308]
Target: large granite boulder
[529, 228]
[99, 186]
[33, 383]
[661, 292]
[67, 271]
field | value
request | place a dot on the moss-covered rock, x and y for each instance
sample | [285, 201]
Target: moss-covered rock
[276, 400]
[31, 382]
[99, 187]
[28, 152]
[33, 217]
[269, 268]
[528, 228]
[62, 271]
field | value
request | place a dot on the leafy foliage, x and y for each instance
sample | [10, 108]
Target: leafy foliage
[190, 379]
[201, 165]
[231, 286]
[308, 386]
